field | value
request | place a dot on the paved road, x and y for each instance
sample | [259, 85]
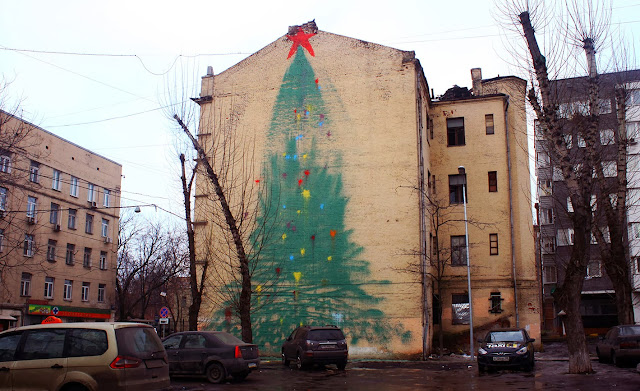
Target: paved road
[450, 375]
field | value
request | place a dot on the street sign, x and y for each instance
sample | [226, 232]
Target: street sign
[163, 321]
[164, 312]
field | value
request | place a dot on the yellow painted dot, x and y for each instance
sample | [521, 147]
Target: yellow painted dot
[284, 154]
[284, 236]
[281, 320]
[302, 251]
[259, 288]
[304, 156]
[298, 211]
[306, 194]
[297, 276]
[329, 258]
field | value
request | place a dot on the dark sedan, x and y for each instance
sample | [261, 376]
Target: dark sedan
[621, 344]
[506, 348]
[215, 355]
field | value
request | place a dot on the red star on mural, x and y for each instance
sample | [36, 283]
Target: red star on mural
[300, 39]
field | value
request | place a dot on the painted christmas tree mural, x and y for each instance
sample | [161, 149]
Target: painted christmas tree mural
[321, 278]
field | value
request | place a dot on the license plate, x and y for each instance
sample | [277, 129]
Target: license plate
[154, 363]
[328, 347]
[501, 359]
[253, 365]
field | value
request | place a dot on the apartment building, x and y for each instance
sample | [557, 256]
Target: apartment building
[346, 148]
[59, 206]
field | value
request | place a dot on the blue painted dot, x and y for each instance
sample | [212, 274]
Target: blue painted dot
[295, 157]
[321, 206]
[287, 157]
[284, 207]
[320, 123]
[291, 257]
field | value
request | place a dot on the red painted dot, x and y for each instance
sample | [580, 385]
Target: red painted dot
[295, 110]
[278, 270]
[332, 233]
[316, 81]
[313, 237]
[257, 180]
[306, 172]
[299, 182]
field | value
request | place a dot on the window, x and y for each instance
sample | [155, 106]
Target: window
[493, 244]
[496, 303]
[71, 252]
[456, 186]
[455, 131]
[194, 342]
[634, 97]
[493, 181]
[548, 245]
[3, 198]
[568, 140]
[48, 288]
[101, 289]
[86, 342]
[25, 284]
[55, 181]
[633, 131]
[43, 344]
[458, 251]
[86, 262]
[613, 199]
[460, 308]
[85, 291]
[635, 230]
[34, 171]
[103, 260]
[51, 250]
[543, 159]
[565, 237]
[594, 269]
[72, 219]
[607, 137]
[636, 264]
[1, 240]
[550, 274]
[569, 205]
[5, 163]
[604, 106]
[73, 189]
[68, 290]
[545, 187]
[105, 228]
[546, 216]
[581, 141]
[107, 197]
[488, 123]
[54, 214]
[609, 169]
[91, 192]
[28, 245]
[31, 207]
[88, 228]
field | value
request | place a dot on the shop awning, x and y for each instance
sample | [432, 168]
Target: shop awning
[7, 317]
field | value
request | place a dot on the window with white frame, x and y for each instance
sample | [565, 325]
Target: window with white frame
[604, 106]
[605, 233]
[91, 192]
[107, 198]
[31, 206]
[548, 245]
[546, 216]
[543, 159]
[28, 245]
[594, 269]
[577, 169]
[34, 172]
[594, 203]
[71, 253]
[54, 214]
[67, 294]
[86, 260]
[607, 137]
[633, 196]
[609, 169]
[633, 97]
[568, 140]
[85, 291]
[48, 287]
[72, 218]
[545, 187]
[55, 180]
[25, 284]
[634, 230]
[101, 291]
[566, 237]
[88, 227]
[569, 205]
[103, 260]
[550, 275]
[105, 228]
[458, 250]
[73, 188]
[613, 200]
[633, 131]
[581, 141]
[633, 162]
[51, 250]
[3, 198]
[635, 261]
[5, 163]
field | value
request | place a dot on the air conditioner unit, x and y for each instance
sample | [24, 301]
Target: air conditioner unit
[632, 141]
[31, 220]
[94, 204]
[56, 227]
[108, 239]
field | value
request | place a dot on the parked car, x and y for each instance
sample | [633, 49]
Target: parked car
[90, 356]
[215, 355]
[506, 348]
[620, 345]
[308, 345]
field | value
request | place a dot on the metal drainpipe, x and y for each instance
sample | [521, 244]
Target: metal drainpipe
[423, 226]
[513, 245]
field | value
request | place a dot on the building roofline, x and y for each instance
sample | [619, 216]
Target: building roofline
[471, 98]
[55, 135]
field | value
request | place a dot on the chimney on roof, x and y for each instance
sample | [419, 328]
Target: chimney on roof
[476, 79]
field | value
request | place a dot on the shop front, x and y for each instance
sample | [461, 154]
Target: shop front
[38, 311]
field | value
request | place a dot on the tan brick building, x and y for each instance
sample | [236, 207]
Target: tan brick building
[59, 227]
[344, 141]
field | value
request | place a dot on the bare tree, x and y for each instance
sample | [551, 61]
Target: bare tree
[572, 108]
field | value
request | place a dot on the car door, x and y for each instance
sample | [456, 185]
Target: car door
[193, 353]
[8, 346]
[40, 364]
[287, 345]
[172, 346]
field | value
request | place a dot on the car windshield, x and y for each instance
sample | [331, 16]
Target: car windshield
[506, 336]
[629, 330]
[325, 335]
[228, 338]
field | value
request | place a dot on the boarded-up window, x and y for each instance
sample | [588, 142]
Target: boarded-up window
[459, 308]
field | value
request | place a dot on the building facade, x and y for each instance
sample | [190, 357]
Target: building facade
[59, 205]
[343, 145]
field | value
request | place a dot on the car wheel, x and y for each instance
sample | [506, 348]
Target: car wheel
[285, 360]
[341, 365]
[299, 363]
[240, 376]
[600, 358]
[482, 368]
[215, 373]
[614, 359]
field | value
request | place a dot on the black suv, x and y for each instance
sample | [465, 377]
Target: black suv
[309, 345]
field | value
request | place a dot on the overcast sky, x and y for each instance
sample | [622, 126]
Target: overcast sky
[95, 73]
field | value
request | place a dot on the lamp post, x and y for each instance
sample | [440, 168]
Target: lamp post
[461, 171]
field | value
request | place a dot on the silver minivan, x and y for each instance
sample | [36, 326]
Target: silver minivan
[87, 356]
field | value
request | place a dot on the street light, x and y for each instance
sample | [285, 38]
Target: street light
[461, 171]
